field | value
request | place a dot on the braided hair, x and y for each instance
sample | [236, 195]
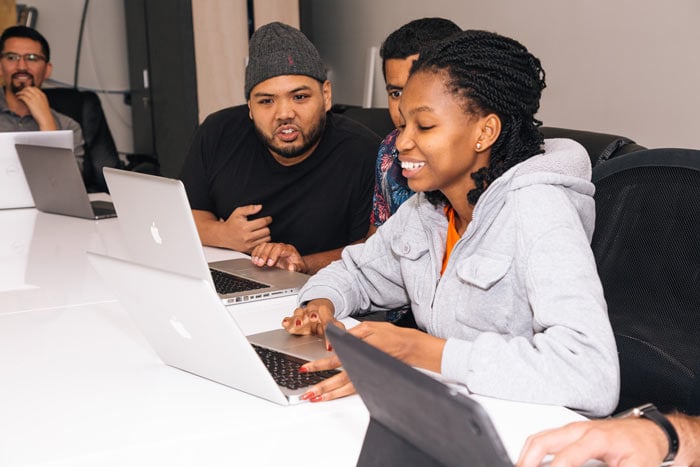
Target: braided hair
[491, 74]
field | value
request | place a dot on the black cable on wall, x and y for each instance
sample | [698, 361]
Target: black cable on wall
[251, 19]
[80, 44]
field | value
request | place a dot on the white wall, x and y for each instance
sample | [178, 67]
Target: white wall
[103, 61]
[220, 70]
[630, 67]
[221, 46]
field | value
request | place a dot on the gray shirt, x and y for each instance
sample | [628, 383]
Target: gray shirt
[10, 121]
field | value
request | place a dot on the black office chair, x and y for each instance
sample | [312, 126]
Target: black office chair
[376, 119]
[100, 151]
[600, 146]
[647, 248]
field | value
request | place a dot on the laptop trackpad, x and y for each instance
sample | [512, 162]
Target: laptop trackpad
[306, 347]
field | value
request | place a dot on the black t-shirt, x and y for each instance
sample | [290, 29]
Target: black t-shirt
[317, 205]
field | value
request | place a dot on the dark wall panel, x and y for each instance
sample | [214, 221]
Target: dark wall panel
[164, 103]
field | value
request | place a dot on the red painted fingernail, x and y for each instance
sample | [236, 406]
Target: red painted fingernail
[330, 348]
[307, 396]
[317, 399]
[303, 369]
[298, 322]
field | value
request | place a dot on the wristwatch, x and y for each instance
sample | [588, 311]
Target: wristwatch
[650, 412]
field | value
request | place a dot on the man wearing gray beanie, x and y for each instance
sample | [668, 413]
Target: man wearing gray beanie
[277, 49]
[282, 178]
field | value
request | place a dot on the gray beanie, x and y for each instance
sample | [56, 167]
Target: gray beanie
[277, 49]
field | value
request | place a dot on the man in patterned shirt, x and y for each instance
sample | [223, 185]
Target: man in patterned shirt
[398, 52]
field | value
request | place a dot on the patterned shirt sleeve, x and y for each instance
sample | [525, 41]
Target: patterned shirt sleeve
[380, 206]
[391, 187]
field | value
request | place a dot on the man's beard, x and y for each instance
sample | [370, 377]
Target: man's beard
[311, 139]
[23, 84]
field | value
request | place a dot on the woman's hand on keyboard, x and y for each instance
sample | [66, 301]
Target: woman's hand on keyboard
[331, 388]
[312, 318]
[412, 346]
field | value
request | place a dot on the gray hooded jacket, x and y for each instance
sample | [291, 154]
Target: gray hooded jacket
[520, 303]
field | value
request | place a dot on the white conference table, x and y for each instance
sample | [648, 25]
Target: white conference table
[80, 386]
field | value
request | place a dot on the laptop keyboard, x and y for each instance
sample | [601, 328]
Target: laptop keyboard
[284, 369]
[228, 283]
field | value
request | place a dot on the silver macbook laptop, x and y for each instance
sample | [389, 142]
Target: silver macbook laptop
[14, 191]
[189, 328]
[159, 231]
[56, 184]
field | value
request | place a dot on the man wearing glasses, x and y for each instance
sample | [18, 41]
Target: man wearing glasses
[24, 65]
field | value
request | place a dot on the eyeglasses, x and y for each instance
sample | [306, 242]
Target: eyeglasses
[28, 58]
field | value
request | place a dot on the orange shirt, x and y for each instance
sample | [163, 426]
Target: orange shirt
[452, 236]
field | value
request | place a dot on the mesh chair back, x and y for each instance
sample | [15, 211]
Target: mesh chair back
[647, 248]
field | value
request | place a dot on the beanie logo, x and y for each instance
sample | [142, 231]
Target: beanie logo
[290, 60]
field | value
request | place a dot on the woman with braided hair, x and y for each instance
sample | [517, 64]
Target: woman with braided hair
[492, 253]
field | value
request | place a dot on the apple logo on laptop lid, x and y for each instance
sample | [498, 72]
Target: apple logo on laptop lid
[156, 234]
[180, 328]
